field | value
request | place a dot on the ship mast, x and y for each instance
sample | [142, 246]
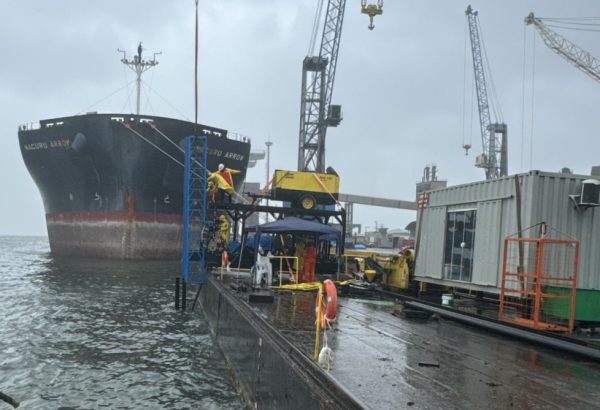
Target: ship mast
[138, 66]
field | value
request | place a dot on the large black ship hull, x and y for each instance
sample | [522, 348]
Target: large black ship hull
[112, 184]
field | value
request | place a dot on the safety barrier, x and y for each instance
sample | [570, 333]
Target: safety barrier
[539, 281]
[293, 276]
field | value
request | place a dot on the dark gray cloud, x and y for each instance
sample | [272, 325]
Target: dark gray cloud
[401, 85]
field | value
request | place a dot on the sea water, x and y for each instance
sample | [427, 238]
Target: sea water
[87, 334]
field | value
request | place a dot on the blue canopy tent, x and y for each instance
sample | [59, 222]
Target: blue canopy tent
[293, 224]
[298, 226]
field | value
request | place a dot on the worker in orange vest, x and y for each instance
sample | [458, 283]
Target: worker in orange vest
[224, 176]
[310, 261]
[299, 253]
[227, 173]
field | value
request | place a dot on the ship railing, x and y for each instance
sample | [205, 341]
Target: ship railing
[120, 118]
[237, 136]
[36, 125]
[29, 127]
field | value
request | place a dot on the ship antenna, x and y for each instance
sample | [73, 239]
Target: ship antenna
[138, 66]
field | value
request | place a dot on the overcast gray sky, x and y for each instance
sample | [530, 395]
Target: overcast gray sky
[401, 86]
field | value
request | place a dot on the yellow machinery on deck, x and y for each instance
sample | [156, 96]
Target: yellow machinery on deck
[305, 189]
[396, 267]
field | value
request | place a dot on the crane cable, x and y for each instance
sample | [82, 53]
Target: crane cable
[573, 23]
[566, 27]
[495, 105]
[315, 29]
[572, 20]
[532, 106]
[464, 113]
[523, 95]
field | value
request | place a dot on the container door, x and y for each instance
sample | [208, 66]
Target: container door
[431, 246]
[487, 265]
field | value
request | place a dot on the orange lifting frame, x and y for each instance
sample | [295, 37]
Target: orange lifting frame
[527, 283]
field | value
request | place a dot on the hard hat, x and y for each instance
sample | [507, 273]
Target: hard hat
[221, 167]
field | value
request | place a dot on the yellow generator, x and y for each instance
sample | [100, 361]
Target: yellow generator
[305, 189]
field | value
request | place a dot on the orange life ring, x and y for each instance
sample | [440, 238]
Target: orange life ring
[224, 259]
[329, 302]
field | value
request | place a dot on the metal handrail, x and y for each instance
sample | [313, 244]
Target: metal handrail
[281, 258]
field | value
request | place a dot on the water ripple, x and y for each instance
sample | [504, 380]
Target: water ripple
[87, 334]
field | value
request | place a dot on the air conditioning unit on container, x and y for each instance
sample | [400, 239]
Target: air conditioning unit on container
[590, 193]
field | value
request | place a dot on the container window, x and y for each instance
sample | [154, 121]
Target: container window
[459, 244]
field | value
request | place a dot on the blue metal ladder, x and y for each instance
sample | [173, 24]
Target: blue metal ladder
[196, 225]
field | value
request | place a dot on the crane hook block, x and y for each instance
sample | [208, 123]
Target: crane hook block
[467, 147]
[371, 10]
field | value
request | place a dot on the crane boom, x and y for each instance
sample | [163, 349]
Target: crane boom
[318, 75]
[566, 49]
[493, 135]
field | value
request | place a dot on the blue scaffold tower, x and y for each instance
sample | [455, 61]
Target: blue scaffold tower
[196, 225]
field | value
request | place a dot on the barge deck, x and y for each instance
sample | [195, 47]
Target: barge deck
[384, 361]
